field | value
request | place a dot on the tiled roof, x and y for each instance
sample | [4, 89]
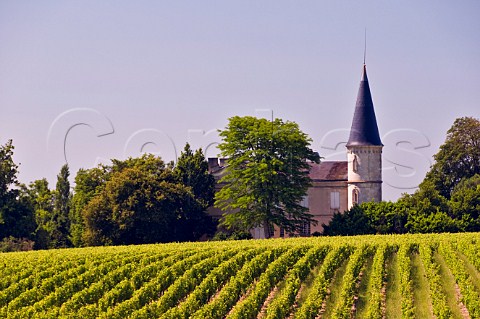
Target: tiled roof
[329, 171]
[325, 171]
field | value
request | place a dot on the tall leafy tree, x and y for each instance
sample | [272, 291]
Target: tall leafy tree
[191, 171]
[8, 175]
[16, 213]
[267, 174]
[42, 199]
[61, 213]
[88, 183]
[458, 158]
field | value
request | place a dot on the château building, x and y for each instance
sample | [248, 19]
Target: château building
[337, 185]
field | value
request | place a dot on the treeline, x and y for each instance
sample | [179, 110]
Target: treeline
[144, 200]
[138, 200]
[448, 199]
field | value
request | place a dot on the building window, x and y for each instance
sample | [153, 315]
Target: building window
[305, 229]
[355, 164]
[282, 232]
[335, 200]
[271, 230]
[355, 196]
[304, 201]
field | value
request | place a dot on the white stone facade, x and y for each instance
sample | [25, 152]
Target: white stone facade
[364, 174]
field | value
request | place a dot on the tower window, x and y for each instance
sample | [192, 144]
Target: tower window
[355, 164]
[355, 196]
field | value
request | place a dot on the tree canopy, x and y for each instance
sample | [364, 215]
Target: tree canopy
[191, 171]
[143, 200]
[458, 158]
[134, 207]
[8, 178]
[16, 215]
[267, 174]
[61, 212]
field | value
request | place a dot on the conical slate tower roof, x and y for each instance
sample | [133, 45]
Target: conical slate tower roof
[364, 129]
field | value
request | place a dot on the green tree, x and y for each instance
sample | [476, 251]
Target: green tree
[8, 176]
[368, 218]
[16, 212]
[88, 183]
[61, 212]
[267, 174]
[458, 158]
[351, 222]
[425, 201]
[42, 199]
[191, 171]
[465, 203]
[386, 217]
[428, 210]
[139, 203]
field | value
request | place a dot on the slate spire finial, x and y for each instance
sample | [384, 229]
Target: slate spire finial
[364, 129]
[365, 48]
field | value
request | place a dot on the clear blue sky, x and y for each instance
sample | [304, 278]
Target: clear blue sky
[95, 80]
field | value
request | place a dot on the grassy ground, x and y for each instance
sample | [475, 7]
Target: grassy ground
[393, 297]
[306, 286]
[421, 290]
[472, 271]
[448, 284]
[363, 296]
[335, 289]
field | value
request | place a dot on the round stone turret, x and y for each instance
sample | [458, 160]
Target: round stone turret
[364, 150]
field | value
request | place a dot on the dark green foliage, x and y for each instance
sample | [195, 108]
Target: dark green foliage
[142, 200]
[352, 222]
[266, 176]
[16, 212]
[8, 170]
[427, 210]
[191, 171]
[18, 216]
[465, 203]
[386, 217]
[42, 199]
[8, 178]
[458, 158]
[61, 211]
[133, 208]
[87, 184]
[52, 211]
[231, 234]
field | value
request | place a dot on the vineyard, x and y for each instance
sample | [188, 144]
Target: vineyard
[402, 276]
